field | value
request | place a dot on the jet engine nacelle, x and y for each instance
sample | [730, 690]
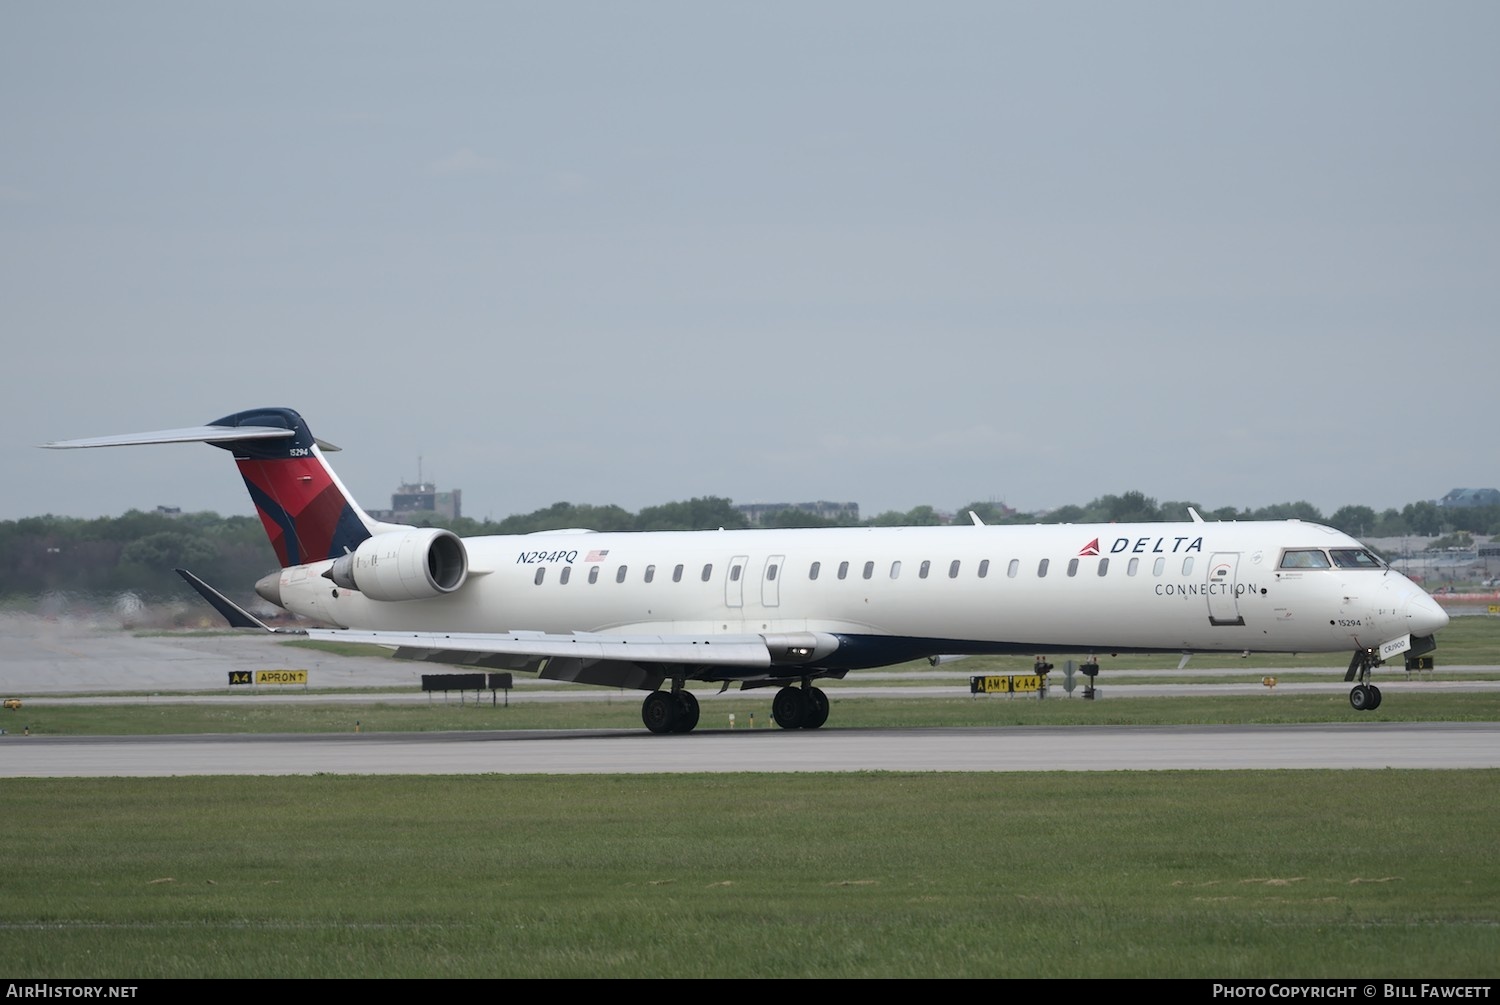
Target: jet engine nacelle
[413, 564]
[800, 647]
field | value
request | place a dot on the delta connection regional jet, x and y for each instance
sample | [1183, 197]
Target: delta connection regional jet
[787, 608]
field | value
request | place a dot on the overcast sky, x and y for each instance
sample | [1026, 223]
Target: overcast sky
[888, 253]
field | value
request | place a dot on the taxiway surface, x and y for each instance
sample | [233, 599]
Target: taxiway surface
[60, 663]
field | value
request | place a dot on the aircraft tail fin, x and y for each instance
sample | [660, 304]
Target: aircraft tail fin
[306, 511]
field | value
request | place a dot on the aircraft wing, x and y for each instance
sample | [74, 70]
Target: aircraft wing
[634, 661]
[716, 650]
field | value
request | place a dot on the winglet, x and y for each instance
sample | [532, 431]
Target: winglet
[236, 615]
[1194, 514]
[975, 517]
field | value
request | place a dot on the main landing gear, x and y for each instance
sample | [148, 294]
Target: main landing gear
[1366, 696]
[674, 711]
[803, 707]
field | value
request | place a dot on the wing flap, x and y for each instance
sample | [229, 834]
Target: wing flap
[694, 650]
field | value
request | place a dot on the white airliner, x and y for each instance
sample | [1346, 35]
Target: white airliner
[785, 608]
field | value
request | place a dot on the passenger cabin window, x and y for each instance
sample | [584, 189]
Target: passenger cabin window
[594, 574]
[650, 573]
[895, 569]
[1187, 566]
[771, 572]
[843, 570]
[565, 575]
[812, 573]
[620, 573]
[953, 569]
[923, 570]
[1103, 566]
[1158, 567]
[677, 574]
[984, 568]
[1073, 567]
[541, 573]
[734, 574]
[1304, 558]
[869, 569]
[1041, 568]
[1354, 558]
[1013, 568]
[1133, 567]
[708, 572]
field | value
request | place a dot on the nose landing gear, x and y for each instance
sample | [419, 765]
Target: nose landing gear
[1365, 697]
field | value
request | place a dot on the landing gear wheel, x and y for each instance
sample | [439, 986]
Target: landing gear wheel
[789, 708]
[1361, 699]
[1365, 697]
[687, 712]
[817, 708]
[660, 712]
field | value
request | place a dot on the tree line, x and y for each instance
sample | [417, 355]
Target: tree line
[137, 552]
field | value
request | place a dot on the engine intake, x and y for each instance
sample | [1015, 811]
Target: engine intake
[407, 565]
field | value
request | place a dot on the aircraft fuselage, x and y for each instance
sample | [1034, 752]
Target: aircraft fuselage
[900, 593]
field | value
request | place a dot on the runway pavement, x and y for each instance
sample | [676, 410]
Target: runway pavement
[1029, 749]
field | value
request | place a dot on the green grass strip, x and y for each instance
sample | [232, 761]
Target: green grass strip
[1299, 874]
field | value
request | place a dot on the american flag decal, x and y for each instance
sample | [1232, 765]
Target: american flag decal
[596, 556]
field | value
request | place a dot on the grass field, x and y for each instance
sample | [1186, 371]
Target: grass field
[623, 711]
[894, 875]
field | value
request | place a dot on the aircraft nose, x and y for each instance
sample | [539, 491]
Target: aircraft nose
[1425, 615]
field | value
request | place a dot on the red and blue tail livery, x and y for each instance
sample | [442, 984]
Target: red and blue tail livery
[307, 513]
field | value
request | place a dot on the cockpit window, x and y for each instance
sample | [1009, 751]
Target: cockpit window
[1354, 558]
[1304, 558]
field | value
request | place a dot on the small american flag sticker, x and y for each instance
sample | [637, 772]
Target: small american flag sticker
[596, 556]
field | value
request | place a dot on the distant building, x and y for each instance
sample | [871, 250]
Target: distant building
[756, 513]
[418, 501]
[1471, 497]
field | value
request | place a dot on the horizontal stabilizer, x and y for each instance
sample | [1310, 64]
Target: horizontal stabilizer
[236, 615]
[191, 434]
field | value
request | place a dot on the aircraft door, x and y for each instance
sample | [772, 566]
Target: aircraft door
[734, 581]
[770, 581]
[1223, 596]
